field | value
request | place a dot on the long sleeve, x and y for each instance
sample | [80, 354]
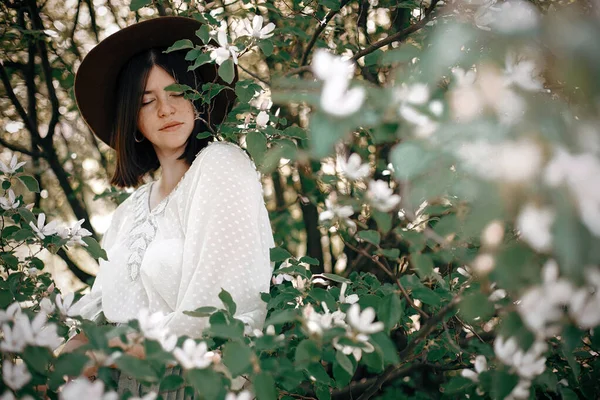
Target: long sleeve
[227, 237]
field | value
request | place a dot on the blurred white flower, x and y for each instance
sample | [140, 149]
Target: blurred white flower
[315, 322]
[381, 196]
[337, 213]
[243, 395]
[515, 16]
[168, 342]
[262, 119]
[82, 388]
[76, 233]
[12, 167]
[225, 51]
[353, 169]
[522, 72]
[409, 97]
[535, 224]
[193, 355]
[13, 341]
[336, 98]
[15, 376]
[485, 15]
[299, 283]
[10, 202]
[581, 174]
[11, 311]
[270, 331]
[64, 304]
[585, 302]
[280, 277]
[480, 366]
[41, 229]
[350, 299]
[153, 325]
[521, 391]
[47, 306]
[256, 29]
[362, 345]
[24, 331]
[493, 234]
[362, 322]
[527, 364]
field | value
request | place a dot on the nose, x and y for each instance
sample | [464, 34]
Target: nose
[165, 108]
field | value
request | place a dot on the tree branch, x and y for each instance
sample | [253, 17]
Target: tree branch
[13, 98]
[15, 147]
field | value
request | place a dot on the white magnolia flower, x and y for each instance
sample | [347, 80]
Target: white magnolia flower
[64, 304]
[280, 277]
[262, 119]
[270, 331]
[76, 233]
[12, 167]
[225, 51]
[485, 15]
[522, 73]
[362, 322]
[315, 322]
[535, 224]
[336, 72]
[10, 313]
[243, 395]
[480, 366]
[13, 342]
[521, 391]
[353, 169]
[15, 376]
[362, 345]
[299, 283]
[41, 229]
[527, 364]
[351, 299]
[82, 388]
[493, 234]
[153, 325]
[47, 306]
[36, 332]
[581, 174]
[256, 29]
[381, 196]
[410, 97]
[10, 202]
[169, 342]
[193, 355]
[336, 213]
[516, 16]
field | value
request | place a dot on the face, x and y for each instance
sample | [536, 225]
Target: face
[165, 118]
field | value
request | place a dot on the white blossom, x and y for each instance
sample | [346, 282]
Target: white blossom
[41, 229]
[535, 224]
[480, 366]
[15, 376]
[64, 304]
[353, 169]
[193, 355]
[350, 299]
[585, 302]
[356, 351]
[522, 73]
[76, 233]
[493, 234]
[485, 15]
[515, 16]
[256, 29]
[362, 322]
[153, 325]
[47, 306]
[225, 51]
[410, 97]
[527, 364]
[10, 313]
[520, 391]
[82, 388]
[280, 277]
[243, 395]
[336, 98]
[12, 167]
[335, 212]
[10, 202]
[381, 196]
[270, 331]
[262, 119]
[315, 322]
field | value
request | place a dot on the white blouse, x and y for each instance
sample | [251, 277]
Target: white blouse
[211, 232]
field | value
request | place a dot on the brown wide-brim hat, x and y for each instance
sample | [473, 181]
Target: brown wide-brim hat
[96, 78]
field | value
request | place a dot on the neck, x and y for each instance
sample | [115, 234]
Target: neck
[172, 170]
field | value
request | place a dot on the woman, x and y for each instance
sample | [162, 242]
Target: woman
[203, 226]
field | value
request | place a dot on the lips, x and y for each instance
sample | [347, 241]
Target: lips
[170, 125]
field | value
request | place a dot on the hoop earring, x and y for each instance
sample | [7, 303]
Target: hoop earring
[136, 139]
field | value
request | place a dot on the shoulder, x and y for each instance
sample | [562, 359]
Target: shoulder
[224, 157]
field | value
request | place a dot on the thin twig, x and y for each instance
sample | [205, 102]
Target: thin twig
[252, 74]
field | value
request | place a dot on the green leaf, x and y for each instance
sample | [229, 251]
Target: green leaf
[203, 33]
[139, 369]
[476, 306]
[10, 260]
[264, 387]
[344, 362]
[207, 382]
[203, 135]
[333, 5]
[30, 183]
[383, 219]
[94, 249]
[392, 254]
[201, 312]
[336, 278]
[266, 46]
[28, 216]
[458, 384]
[323, 392]
[70, 364]
[423, 264]
[226, 70]
[307, 352]
[202, 59]
[279, 254]
[568, 394]
[309, 260]
[227, 301]
[281, 317]
[295, 132]
[256, 143]
[403, 54]
[137, 4]
[370, 236]
[410, 159]
[390, 310]
[503, 384]
[237, 358]
[180, 45]
[37, 358]
[171, 383]
[386, 346]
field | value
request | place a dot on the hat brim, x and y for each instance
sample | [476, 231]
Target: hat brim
[96, 78]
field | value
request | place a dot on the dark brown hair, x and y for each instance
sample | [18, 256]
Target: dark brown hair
[134, 159]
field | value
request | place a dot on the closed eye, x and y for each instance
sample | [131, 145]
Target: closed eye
[147, 102]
